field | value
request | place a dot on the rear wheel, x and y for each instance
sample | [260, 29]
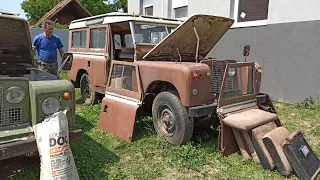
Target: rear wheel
[170, 118]
[89, 96]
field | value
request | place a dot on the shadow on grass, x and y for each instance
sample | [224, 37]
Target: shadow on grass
[91, 157]
[18, 167]
[143, 126]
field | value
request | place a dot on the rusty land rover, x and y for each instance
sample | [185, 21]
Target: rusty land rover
[27, 94]
[160, 64]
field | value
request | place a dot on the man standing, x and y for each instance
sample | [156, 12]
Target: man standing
[47, 44]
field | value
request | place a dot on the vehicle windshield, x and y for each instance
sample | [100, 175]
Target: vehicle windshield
[238, 82]
[151, 33]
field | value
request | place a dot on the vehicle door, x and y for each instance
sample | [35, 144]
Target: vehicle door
[121, 101]
[99, 53]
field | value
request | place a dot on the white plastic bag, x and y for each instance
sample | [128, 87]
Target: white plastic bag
[52, 136]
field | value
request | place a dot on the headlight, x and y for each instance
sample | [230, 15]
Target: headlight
[50, 106]
[15, 94]
[232, 72]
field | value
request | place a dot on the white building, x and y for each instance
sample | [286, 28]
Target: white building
[283, 35]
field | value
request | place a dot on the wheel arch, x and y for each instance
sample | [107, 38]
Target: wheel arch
[159, 86]
[154, 89]
[78, 77]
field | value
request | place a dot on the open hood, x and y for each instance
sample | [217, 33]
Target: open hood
[15, 42]
[182, 42]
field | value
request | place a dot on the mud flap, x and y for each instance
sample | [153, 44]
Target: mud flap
[117, 116]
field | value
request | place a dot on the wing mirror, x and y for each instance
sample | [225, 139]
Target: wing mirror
[246, 51]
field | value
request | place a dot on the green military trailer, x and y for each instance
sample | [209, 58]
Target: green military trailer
[27, 94]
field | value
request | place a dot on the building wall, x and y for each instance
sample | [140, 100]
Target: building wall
[288, 53]
[284, 11]
[218, 8]
[134, 6]
[62, 33]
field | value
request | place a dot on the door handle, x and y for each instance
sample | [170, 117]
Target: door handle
[88, 63]
[105, 108]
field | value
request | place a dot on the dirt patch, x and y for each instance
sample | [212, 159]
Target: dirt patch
[125, 159]
[210, 170]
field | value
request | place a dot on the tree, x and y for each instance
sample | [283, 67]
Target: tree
[121, 5]
[35, 9]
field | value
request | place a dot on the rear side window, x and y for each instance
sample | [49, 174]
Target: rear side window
[98, 38]
[79, 39]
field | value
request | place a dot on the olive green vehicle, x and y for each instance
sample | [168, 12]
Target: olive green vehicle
[27, 94]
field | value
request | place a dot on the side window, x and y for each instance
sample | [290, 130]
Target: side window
[123, 77]
[79, 39]
[98, 38]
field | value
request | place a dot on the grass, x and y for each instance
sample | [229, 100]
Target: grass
[103, 156]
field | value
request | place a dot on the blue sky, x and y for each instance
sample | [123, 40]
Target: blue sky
[13, 5]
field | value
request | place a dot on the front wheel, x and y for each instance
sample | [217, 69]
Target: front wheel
[88, 95]
[170, 119]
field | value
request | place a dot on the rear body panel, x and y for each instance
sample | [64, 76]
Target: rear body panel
[95, 65]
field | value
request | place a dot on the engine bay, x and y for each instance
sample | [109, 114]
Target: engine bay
[24, 71]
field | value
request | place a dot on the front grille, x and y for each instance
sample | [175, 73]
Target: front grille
[217, 70]
[9, 116]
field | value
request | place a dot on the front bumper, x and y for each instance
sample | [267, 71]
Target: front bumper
[203, 110]
[23, 147]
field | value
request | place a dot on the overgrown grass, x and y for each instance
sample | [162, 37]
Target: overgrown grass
[103, 156]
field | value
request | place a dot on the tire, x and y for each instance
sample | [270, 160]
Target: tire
[89, 96]
[170, 119]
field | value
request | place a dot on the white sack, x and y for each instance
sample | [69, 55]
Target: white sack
[52, 136]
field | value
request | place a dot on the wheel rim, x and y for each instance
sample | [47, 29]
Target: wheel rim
[166, 120]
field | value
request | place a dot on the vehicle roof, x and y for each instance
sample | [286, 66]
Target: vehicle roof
[115, 17]
[5, 12]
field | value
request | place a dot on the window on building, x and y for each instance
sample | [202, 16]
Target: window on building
[250, 12]
[79, 39]
[180, 9]
[147, 6]
[148, 11]
[98, 38]
[181, 12]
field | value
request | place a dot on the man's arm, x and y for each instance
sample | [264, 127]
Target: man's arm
[60, 47]
[61, 51]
